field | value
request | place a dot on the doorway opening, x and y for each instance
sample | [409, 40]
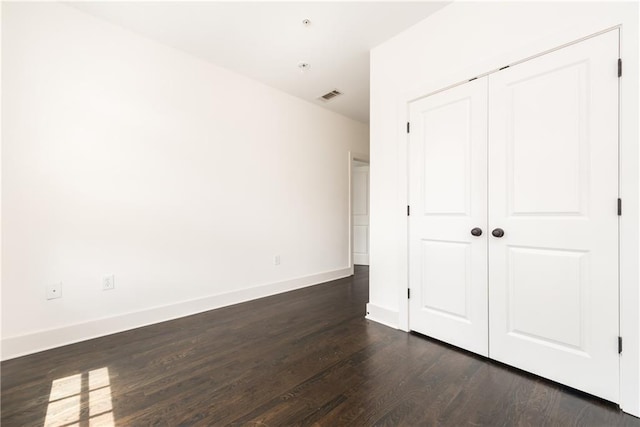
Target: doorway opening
[358, 209]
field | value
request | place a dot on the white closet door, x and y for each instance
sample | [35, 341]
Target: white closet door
[448, 198]
[553, 189]
[360, 214]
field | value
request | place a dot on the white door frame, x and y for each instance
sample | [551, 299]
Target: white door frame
[351, 157]
[629, 188]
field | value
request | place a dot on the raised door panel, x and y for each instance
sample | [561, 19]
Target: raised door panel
[548, 144]
[547, 297]
[360, 192]
[360, 239]
[446, 279]
[446, 155]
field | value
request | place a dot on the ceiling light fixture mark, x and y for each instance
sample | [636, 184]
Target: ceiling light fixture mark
[304, 66]
[306, 22]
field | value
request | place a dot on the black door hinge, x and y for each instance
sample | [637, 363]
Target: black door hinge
[408, 210]
[408, 293]
[408, 127]
[619, 67]
[619, 207]
[619, 345]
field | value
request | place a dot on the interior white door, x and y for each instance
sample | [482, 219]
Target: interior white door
[448, 198]
[553, 190]
[360, 214]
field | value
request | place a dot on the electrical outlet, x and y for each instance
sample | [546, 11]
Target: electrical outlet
[54, 290]
[276, 260]
[108, 282]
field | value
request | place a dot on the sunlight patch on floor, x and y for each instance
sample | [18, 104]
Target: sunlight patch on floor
[69, 395]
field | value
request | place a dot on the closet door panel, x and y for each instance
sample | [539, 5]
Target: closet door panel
[448, 198]
[553, 189]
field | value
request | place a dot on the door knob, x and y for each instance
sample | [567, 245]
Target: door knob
[498, 232]
[476, 232]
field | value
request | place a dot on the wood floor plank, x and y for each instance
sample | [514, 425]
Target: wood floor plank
[303, 358]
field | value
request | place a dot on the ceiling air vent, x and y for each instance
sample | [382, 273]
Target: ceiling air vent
[330, 95]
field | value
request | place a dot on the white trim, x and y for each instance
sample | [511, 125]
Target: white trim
[1, 5]
[629, 189]
[382, 315]
[516, 62]
[403, 242]
[46, 339]
[629, 228]
[361, 259]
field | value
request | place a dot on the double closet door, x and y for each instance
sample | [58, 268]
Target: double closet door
[513, 233]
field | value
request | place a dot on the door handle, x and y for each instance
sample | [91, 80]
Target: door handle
[498, 232]
[476, 232]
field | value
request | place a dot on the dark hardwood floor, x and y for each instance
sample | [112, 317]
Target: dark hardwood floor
[306, 357]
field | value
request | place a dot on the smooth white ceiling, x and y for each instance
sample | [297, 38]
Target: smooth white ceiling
[267, 40]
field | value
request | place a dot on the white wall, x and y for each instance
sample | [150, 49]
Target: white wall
[183, 179]
[459, 42]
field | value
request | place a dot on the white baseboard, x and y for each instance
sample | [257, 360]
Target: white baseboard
[22, 345]
[382, 315]
[361, 259]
